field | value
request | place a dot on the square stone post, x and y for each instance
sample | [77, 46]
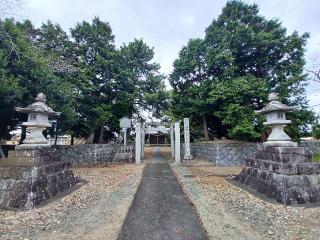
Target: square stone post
[177, 156]
[187, 154]
[172, 140]
[143, 132]
[125, 136]
[138, 144]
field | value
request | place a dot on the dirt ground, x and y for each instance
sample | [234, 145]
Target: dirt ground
[228, 210]
[95, 209]
[98, 205]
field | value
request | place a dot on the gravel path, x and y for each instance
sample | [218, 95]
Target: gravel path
[160, 209]
[95, 210]
[228, 211]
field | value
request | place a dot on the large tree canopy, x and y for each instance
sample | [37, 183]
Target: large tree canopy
[83, 74]
[222, 78]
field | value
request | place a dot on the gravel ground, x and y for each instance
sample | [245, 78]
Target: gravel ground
[229, 211]
[95, 209]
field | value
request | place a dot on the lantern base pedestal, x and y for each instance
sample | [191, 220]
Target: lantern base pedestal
[35, 137]
[280, 144]
[285, 174]
[30, 176]
[32, 146]
[188, 157]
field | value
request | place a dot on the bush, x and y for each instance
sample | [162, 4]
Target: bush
[316, 131]
[316, 158]
[244, 131]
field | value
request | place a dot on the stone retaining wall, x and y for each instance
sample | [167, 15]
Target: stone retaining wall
[31, 176]
[311, 147]
[95, 153]
[224, 154]
[233, 153]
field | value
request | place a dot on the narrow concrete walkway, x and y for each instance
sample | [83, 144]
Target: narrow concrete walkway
[160, 209]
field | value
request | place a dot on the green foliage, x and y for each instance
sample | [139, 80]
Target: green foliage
[239, 119]
[145, 85]
[228, 74]
[316, 158]
[84, 75]
[22, 73]
[316, 129]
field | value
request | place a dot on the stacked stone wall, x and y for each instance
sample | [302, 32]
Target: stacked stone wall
[286, 174]
[233, 153]
[311, 147]
[31, 176]
[95, 153]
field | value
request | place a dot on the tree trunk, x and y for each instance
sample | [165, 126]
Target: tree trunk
[72, 140]
[205, 128]
[23, 134]
[89, 140]
[101, 134]
[56, 134]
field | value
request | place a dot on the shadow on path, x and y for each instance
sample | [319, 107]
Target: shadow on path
[160, 209]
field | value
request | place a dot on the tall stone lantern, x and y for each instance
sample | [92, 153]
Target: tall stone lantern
[34, 172]
[280, 169]
[38, 121]
[275, 111]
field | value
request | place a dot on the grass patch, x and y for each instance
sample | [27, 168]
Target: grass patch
[316, 157]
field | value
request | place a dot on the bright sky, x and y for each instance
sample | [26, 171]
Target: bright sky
[167, 25]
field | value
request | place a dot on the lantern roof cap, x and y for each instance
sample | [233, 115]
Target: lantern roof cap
[274, 105]
[38, 107]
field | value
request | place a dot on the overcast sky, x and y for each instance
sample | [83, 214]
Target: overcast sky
[167, 25]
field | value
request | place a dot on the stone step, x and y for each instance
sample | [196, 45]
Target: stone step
[308, 168]
[286, 189]
[32, 153]
[15, 172]
[282, 150]
[16, 193]
[283, 157]
[22, 161]
[23, 172]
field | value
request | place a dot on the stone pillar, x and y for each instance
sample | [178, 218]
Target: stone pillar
[172, 140]
[143, 132]
[177, 143]
[138, 144]
[187, 154]
[125, 136]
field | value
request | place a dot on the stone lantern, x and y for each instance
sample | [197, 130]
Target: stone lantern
[34, 172]
[38, 121]
[280, 169]
[275, 111]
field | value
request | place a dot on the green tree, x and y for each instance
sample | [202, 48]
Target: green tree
[191, 84]
[84, 76]
[245, 57]
[141, 79]
[95, 51]
[22, 74]
[122, 81]
[316, 129]
[26, 70]
[56, 45]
